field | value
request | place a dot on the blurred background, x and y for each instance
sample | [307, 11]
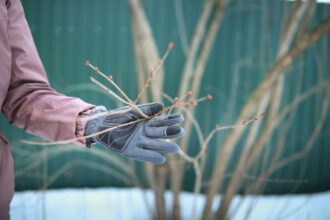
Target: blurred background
[246, 46]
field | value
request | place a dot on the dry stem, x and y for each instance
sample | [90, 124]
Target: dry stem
[273, 74]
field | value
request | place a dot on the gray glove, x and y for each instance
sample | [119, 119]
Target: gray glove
[138, 141]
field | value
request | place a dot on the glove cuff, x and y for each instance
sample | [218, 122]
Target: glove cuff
[91, 124]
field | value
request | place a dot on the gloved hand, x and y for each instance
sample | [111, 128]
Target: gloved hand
[138, 141]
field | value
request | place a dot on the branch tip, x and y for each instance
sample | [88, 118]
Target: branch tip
[170, 45]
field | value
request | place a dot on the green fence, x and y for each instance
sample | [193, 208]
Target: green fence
[67, 32]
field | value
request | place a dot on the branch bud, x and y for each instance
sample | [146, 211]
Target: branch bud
[170, 45]
[151, 73]
[193, 102]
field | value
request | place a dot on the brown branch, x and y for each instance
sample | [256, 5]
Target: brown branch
[208, 42]
[296, 156]
[181, 26]
[81, 138]
[109, 79]
[197, 75]
[146, 57]
[145, 47]
[194, 47]
[105, 169]
[153, 72]
[312, 139]
[199, 158]
[112, 93]
[272, 75]
[228, 127]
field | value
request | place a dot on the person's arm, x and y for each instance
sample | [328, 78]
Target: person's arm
[30, 101]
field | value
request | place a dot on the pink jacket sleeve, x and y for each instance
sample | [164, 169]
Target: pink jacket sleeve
[30, 102]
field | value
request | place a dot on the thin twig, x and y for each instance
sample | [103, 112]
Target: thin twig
[109, 79]
[221, 128]
[153, 72]
[83, 137]
[108, 90]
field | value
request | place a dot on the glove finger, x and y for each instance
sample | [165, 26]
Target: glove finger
[165, 120]
[161, 146]
[173, 131]
[151, 109]
[145, 155]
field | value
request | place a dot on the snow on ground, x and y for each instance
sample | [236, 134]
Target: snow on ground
[128, 203]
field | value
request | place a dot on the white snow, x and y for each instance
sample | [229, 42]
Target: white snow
[128, 203]
[319, 1]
